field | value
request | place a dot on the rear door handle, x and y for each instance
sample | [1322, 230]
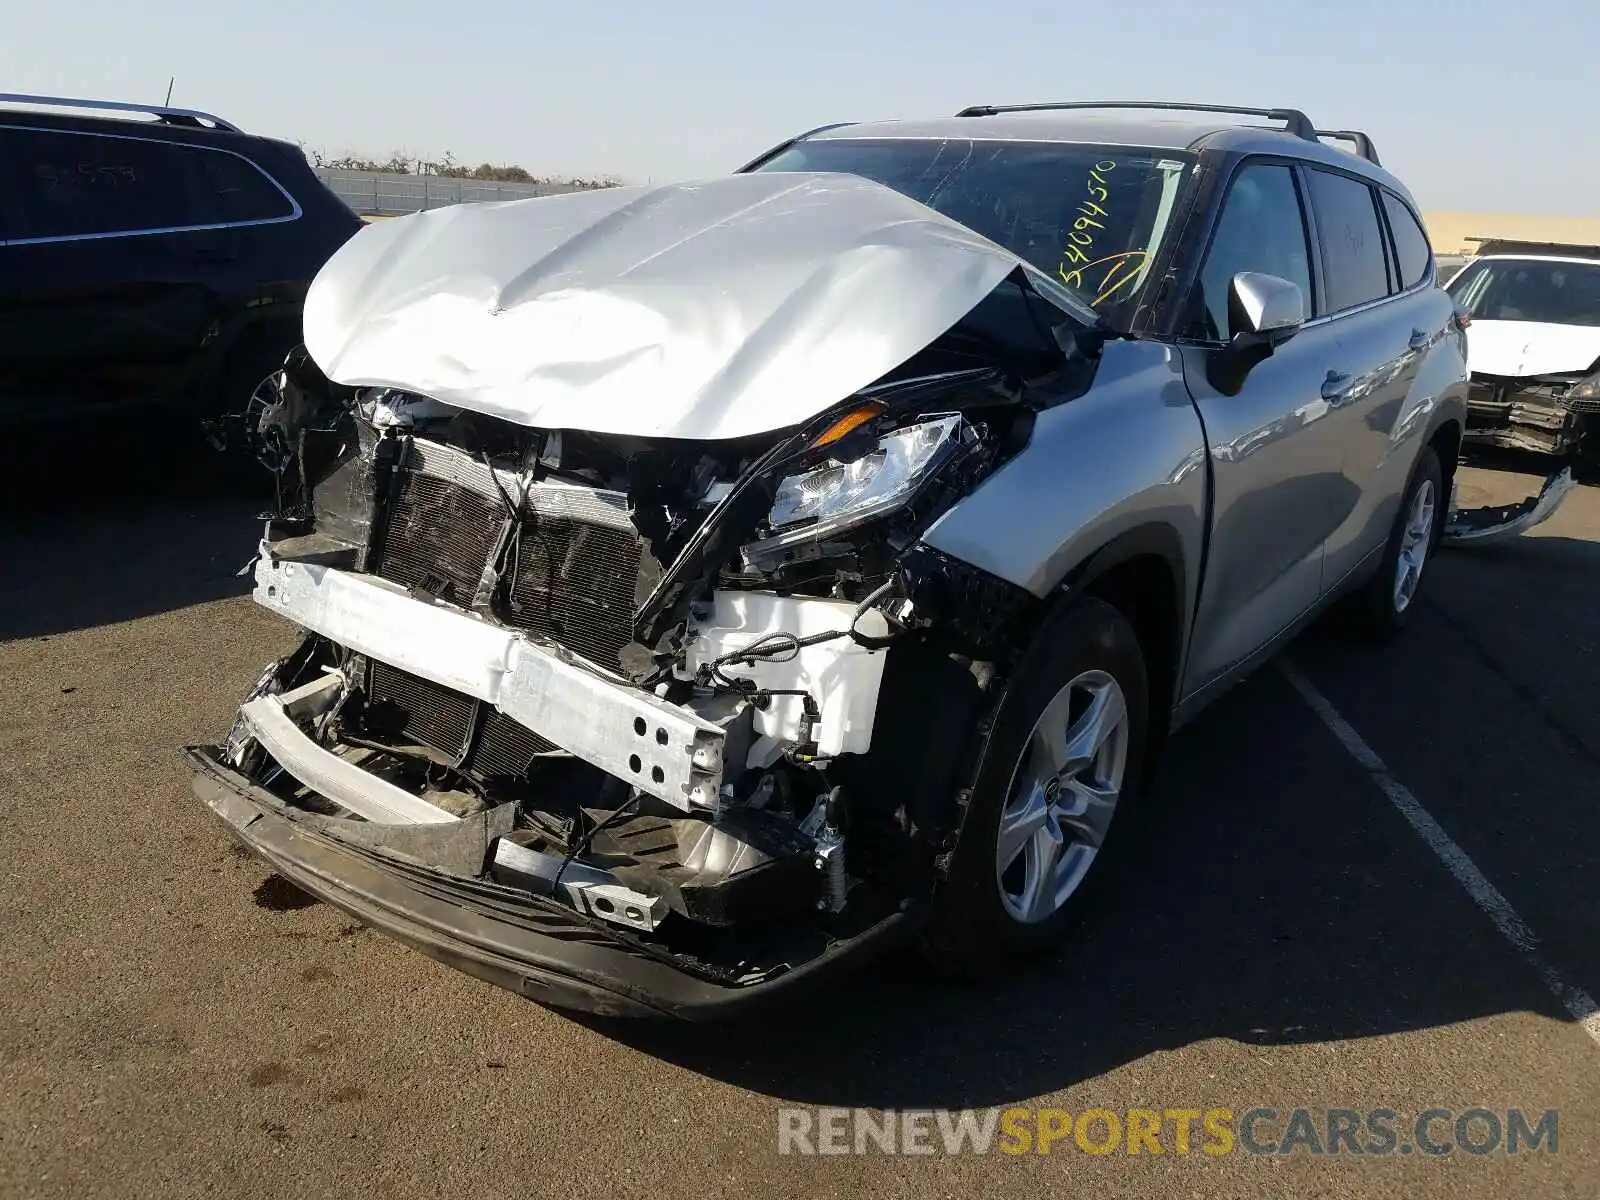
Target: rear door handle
[1419, 339]
[1335, 385]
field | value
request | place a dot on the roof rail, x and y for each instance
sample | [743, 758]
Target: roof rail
[1490, 245]
[1295, 121]
[1361, 141]
[169, 116]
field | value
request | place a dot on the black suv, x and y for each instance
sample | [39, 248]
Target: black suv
[149, 257]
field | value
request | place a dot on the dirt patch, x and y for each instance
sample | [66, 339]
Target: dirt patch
[266, 1074]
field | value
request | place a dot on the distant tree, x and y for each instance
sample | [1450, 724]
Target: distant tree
[446, 167]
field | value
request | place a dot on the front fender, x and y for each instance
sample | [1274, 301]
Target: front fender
[1127, 456]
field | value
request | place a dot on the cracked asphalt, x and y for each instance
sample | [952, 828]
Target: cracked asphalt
[174, 1020]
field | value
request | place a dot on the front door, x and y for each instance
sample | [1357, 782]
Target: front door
[1278, 485]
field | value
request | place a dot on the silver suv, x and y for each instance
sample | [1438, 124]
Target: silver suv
[707, 585]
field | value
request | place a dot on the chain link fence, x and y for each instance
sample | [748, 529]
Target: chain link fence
[379, 193]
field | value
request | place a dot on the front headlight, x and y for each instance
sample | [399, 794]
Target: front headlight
[837, 495]
[1587, 388]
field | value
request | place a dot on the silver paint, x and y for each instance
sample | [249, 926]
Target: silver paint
[718, 309]
[1269, 304]
[1121, 457]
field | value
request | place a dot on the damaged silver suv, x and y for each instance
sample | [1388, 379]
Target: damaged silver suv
[708, 585]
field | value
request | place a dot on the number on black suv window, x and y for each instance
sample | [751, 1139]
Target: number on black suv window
[89, 185]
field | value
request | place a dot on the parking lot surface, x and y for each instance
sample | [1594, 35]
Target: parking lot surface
[176, 1021]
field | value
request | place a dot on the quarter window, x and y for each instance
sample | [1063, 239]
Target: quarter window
[1261, 229]
[1351, 240]
[77, 184]
[1410, 242]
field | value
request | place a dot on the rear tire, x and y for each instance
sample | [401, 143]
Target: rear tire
[1385, 603]
[1039, 835]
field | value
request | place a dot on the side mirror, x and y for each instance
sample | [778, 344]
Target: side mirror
[1264, 307]
[1264, 311]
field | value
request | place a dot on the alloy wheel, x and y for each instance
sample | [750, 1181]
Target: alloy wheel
[1063, 794]
[1415, 543]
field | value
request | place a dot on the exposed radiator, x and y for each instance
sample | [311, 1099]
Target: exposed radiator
[575, 576]
[483, 741]
[438, 536]
[578, 583]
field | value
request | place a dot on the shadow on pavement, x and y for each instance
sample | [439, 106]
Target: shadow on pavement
[1277, 899]
[115, 525]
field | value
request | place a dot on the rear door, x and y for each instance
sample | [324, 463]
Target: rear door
[111, 271]
[1388, 317]
[1276, 466]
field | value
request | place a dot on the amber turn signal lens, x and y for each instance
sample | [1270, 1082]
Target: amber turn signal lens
[848, 423]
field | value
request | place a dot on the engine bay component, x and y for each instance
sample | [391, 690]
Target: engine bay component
[770, 644]
[663, 748]
[587, 888]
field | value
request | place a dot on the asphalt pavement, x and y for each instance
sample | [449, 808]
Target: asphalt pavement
[174, 1020]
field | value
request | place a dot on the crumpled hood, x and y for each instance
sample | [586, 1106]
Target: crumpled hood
[706, 310]
[1517, 349]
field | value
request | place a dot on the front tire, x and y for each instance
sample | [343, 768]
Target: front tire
[1058, 775]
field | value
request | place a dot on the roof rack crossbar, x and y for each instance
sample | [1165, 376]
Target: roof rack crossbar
[1355, 137]
[172, 116]
[1295, 121]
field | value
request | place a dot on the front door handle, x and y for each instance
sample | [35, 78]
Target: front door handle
[1335, 385]
[1419, 339]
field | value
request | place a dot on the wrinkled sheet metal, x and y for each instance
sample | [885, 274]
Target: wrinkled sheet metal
[1500, 523]
[718, 309]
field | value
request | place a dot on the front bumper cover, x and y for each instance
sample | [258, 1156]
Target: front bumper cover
[517, 941]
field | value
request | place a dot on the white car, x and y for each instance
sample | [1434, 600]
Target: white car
[1534, 345]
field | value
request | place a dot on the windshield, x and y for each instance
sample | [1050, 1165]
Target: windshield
[1517, 289]
[1089, 217]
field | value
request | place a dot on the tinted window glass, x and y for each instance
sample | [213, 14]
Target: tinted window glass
[1090, 217]
[1261, 229]
[231, 188]
[1513, 289]
[1409, 240]
[1352, 245]
[76, 184]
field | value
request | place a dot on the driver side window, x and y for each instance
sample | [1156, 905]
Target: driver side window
[1261, 229]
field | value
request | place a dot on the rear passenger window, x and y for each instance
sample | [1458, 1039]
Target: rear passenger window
[231, 188]
[1261, 229]
[1410, 242]
[1352, 244]
[78, 184]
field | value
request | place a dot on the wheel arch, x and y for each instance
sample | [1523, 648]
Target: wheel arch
[1445, 440]
[1142, 574]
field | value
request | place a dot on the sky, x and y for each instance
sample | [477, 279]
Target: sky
[1483, 107]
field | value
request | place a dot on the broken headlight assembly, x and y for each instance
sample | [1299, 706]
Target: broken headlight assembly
[1587, 388]
[846, 491]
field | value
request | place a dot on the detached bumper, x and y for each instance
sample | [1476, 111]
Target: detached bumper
[536, 948]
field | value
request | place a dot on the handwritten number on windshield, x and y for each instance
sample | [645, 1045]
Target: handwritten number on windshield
[1118, 269]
